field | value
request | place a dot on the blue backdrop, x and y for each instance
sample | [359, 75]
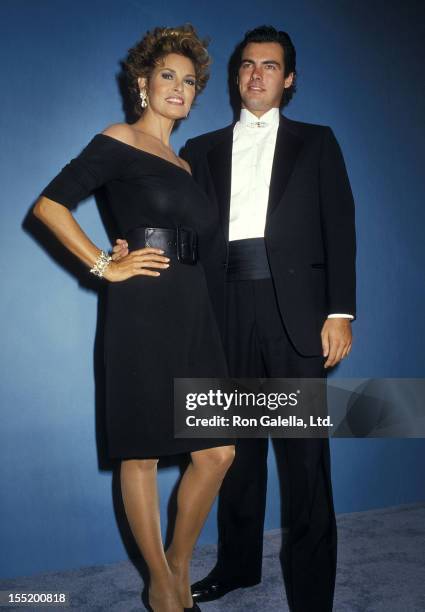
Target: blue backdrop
[360, 71]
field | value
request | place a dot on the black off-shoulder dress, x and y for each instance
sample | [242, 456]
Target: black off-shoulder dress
[157, 328]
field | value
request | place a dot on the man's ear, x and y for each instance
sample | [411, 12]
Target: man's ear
[289, 80]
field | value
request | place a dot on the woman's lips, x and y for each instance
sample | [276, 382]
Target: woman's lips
[175, 100]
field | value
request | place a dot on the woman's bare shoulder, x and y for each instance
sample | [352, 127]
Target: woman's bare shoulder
[120, 131]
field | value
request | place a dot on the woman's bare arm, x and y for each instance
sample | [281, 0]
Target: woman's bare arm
[63, 225]
[66, 229]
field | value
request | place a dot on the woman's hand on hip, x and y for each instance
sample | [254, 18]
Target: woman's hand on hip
[120, 249]
[136, 263]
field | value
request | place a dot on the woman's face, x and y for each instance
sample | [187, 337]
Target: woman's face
[171, 87]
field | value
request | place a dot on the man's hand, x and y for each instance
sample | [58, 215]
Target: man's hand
[120, 249]
[336, 340]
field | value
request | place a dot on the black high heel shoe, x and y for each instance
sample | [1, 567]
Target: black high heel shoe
[194, 608]
[145, 600]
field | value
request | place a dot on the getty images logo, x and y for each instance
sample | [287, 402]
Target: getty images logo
[223, 400]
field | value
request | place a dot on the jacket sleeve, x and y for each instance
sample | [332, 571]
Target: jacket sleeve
[338, 225]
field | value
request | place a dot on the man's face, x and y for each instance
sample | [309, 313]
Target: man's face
[261, 77]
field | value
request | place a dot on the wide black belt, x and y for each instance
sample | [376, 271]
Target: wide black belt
[248, 260]
[180, 243]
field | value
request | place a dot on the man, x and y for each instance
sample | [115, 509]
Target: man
[287, 211]
[287, 214]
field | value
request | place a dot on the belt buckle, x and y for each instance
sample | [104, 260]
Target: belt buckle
[186, 246]
[159, 238]
[149, 233]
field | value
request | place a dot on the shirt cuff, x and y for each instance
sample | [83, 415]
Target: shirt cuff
[341, 316]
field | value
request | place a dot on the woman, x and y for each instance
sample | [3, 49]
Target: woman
[160, 323]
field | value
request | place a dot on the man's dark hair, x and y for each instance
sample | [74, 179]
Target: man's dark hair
[264, 34]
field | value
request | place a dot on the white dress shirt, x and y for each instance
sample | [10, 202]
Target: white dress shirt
[254, 142]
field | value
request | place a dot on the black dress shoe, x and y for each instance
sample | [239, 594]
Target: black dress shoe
[211, 588]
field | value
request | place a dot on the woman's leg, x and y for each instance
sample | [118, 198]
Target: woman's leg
[140, 496]
[197, 491]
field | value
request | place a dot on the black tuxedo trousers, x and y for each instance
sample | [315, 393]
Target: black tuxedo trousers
[257, 345]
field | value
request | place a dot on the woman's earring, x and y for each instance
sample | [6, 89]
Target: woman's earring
[143, 98]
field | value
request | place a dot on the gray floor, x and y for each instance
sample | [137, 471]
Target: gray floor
[381, 568]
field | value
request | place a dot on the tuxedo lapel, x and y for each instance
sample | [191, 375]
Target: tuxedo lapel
[288, 147]
[220, 164]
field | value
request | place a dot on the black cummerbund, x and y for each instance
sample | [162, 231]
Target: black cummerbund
[247, 260]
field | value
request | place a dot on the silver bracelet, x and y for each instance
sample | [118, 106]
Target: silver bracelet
[101, 263]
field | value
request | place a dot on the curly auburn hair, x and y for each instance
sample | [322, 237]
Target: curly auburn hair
[155, 45]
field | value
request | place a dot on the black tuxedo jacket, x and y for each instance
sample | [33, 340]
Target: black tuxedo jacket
[309, 232]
